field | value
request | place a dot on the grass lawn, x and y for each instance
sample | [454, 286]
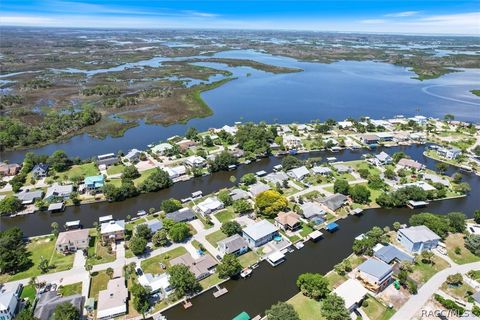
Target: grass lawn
[474, 274]
[334, 279]
[29, 292]
[98, 283]
[306, 230]
[70, 289]
[376, 310]
[225, 215]
[210, 281]
[214, 237]
[38, 248]
[247, 259]
[143, 175]
[152, 265]
[307, 308]
[456, 240]
[459, 292]
[424, 271]
[98, 253]
[87, 169]
[115, 169]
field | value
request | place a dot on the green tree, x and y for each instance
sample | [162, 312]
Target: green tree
[170, 205]
[333, 308]
[389, 173]
[290, 162]
[427, 256]
[437, 223]
[397, 156]
[14, 256]
[75, 198]
[222, 161]
[231, 227]
[143, 231]
[224, 196]
[55, 228]
[313, 285]
[375, 182]
[109, 272]
[359, 193]
[141, 297]
[25, 314]
[229, 266]
[10, 205]
[43, 265]
[130, 173]
[341, 186]
[472, 243]
[137, 245]
[160, 239]
[59, 161]
[455, 279]
[456, 221]
[282, 311]
[248, 179]
[441, 167]
[192, 133]
[476, 216]
[242, 206]
[157, 180]
[65, 311]
[183, 280]
[179, 232]
[270, 202]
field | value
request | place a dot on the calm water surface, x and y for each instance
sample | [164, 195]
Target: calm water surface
[338, 90]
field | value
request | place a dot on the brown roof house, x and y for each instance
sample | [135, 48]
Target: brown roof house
[9, 169]
[411, 164]
[71, 241]
[201, 267]
[288, 221]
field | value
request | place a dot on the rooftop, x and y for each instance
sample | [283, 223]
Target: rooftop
[351, 291]
[419, 234]
[375, 268]
[260, 229]
[112, 301]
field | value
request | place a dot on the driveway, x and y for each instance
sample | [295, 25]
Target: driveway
[79, 260]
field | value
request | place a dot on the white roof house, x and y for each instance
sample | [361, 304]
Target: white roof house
[299, 173]
[112, 302]
[162, 148]
[383, 158]
[8, 303]
[228, 129]
[419, 234]
[112, 226]
[345, 124]
[60, 191]
[156, 282]
[421, 184]
[260, 230]
[209, 205]
[175, 172]
[352, 292]
[292, 141]
[133, 155]
[195, 161]
[322, 170]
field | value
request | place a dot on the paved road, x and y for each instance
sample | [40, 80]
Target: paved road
[413, 305]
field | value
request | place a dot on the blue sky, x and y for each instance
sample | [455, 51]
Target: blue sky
[405, 16]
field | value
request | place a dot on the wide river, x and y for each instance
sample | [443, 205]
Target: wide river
[338, 90]
[267, 285]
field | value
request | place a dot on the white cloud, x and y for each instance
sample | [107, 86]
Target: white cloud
[402, 14]
[25, 20]
[373, 21]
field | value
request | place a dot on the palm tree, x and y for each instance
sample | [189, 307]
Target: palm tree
[89, 268]
[109, 272]
[33, 282]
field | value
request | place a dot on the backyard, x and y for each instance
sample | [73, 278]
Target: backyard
[456, 249]
[152, 265]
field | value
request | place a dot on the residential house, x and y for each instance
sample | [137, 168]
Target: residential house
[40, 170]
[370, 139]
[238, 194]
[410, 164]
[352, 292]
[228, 129]
[8, 302]
[47, 303]
[335, 201]
[259, 233]
[292, 142]
[374, 274]
[94, 183]
[210, 205]
[449, 153]
[436, 179]
[421, 184]
[257, 188]
[390, 253]
[57, 191]
[313, 212]
[175, 172]
[29, 197]
[201, 267]
[288, 221]
[186, 144]
[182, 215]
[276, 177]
[71, 241]
[299, 173]
[384, 136]
[9, 169]
[324, 171]
[383, 158]
[162, 148]
[345, 124]
[154, 225]
[341, 168]
[195, 162]
[157, 283]
[232, 245]
[421, 120]
[106, 160]
[418, 238]
[113, 230]
[112, 302]
[133, 155]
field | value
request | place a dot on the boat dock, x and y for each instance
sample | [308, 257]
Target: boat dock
[315, 235]
[187, 304]
[220, 291]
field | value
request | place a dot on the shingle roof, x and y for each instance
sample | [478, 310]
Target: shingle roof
[48, 301]
[184, 214]
[232, 244]
[311, 209]
[258, 188]
[389, 253]
[335, 201]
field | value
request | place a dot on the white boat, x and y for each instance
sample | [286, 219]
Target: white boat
[246, 273]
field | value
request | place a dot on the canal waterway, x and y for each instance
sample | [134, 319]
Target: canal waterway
[338, 90]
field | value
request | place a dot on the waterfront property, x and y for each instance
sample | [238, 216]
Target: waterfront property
[40, 170]
[201, 267]
[374, 274]
[105, 160]
[113, 230]
[57, 191]
[8, 302]
[112, 302]
[335, 201]
[195, 162]
[288, 221]
[209, 205]
[48, 301]
[299, 173]
[259, 233]
[390, 253]
[133, 156]
[94, 183]
[257, 188]
[29, 197]
[9, 169]
[352, 292]
[154, 225]
[410, 164]
[313, 212]
[181, 215]
[71, 241]
[238, 194]
[418, 238]
[449, 153]
[232, 245]
[157, 283]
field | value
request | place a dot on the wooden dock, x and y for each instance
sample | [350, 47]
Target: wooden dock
[187, 304]
[220, 291]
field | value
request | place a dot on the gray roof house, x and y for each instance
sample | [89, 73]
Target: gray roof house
[40, 170]
[58, 191]
[48, 301]
[299, 173]
[335, 202]
[29, 197]
[418, 238]
[341, 168]
[276, 177]
[375, 274]
[258, 188]
[234, 245]
[391, 253]
[312, 210]
[238, 194]
[154, 225]
[133, 155]
[184, 214]
[259, 233]
[324, 171]
[383, 158]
